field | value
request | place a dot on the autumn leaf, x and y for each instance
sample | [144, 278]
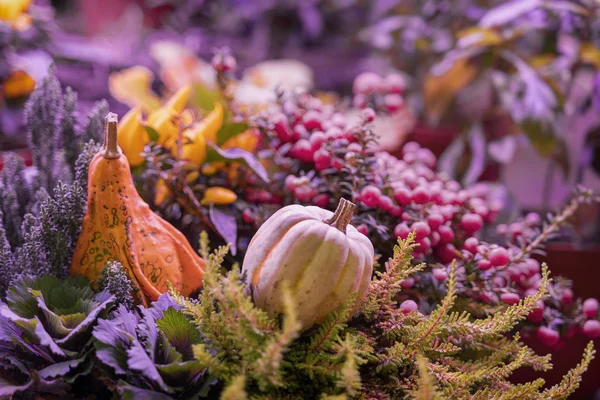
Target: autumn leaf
[439, 91]
[476, 36]
[588, 53]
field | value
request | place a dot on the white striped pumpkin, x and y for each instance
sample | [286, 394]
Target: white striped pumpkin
[323, 259]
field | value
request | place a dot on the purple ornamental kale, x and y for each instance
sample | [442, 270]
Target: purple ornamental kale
[45, 334]
[150, 351]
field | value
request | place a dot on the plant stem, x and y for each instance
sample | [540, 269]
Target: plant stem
[111, 147]
[343, 214]
[549, 229]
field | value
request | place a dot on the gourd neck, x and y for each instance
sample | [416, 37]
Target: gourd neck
[342, 215]
[111, 150]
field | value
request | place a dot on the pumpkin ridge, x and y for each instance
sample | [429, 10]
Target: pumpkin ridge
[343, 273]
[282, 264]
[258, 268]
[332, 232]
[300, 279]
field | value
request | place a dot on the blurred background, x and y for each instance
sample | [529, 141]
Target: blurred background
[503, 91]
[506, 92]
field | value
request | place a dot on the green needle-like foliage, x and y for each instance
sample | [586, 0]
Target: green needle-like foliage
[381, 353]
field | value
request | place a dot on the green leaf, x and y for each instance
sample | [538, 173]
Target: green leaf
[152, 134]
[229, 130]
[541, 136]
[215, 154]
[179, 331]
[205, 98]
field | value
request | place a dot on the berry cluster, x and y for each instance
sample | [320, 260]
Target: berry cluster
[321, 157]
[315, 156]
[383, 94]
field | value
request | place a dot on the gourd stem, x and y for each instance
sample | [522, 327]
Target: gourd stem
[342, 215]
[111, 148]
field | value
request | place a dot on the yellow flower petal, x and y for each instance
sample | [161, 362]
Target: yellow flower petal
[247, 140]
[133, 136]
[195, 148]
[11, 10]
[211, 124]
[132, 86]
[218, 195]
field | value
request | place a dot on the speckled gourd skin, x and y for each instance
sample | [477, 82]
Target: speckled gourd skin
[322, 265]
[119, 226]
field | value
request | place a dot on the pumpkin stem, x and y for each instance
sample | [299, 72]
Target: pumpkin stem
[343, 214]
[111, 148]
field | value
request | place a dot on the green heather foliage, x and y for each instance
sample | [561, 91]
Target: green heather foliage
[381, 353]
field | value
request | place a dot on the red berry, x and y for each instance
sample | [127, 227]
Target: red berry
[435, 238]
[395, 83]
[333, 133]
[566, 296]
[337, 163]
[393, 102]
[547, 336]
[317, 139]
[445, 253]
[440, 274]
[486, 297]
[321, 200]
[421, 229]
[471, 222]
[427, 157]
[501, 229]
[515, 229]
[312, 120]
[420, 195]
[402, 196]
[498, 257]
[509, 298]
[305, 193]
[401, 230]
[281, 127]
[322, 159]
[591, 328]
[407, 283]
[369, 195]
[424, 245]
[386, 203]
[248, 216]
[360, 101]
[410, 147]
[590, 307]
[435, 220]
[533, 219]
[532, 266]
[471, 245]
[537, 314]
[367, 82]
[223, 62]
[482, 210]
[355, 147]
[291, 182]
[368, 115]
[446, 234]
[408, 306]
[302, 150]
[362, 228]
[484, 265]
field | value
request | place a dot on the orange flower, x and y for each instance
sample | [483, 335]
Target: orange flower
[18, 84]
